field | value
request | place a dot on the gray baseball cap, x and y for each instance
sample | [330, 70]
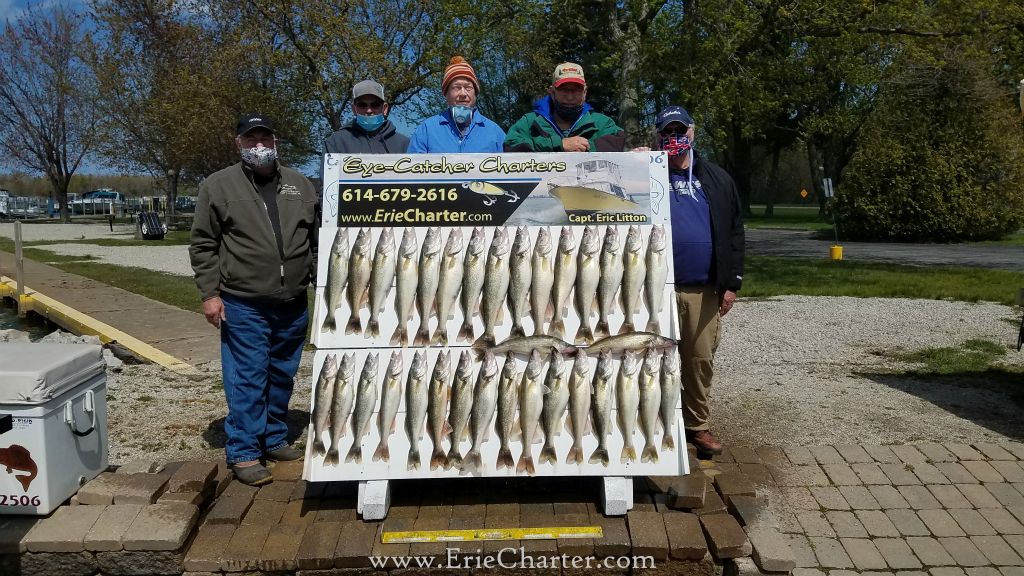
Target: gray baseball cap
[368, 87]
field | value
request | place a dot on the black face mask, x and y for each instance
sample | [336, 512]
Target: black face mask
[570, 113]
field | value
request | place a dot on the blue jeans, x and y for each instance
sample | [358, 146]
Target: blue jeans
[260, 347]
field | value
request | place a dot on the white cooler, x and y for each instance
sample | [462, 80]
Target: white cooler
[56, 395]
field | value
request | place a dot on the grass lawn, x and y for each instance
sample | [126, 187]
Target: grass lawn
[975, 363]
[789, 217]
[770, 276]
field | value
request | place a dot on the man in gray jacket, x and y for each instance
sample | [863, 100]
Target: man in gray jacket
[252, 246]
[370, 131]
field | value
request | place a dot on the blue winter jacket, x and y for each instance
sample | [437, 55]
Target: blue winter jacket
[439, 134]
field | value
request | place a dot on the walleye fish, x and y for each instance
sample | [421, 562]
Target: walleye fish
[531, 402]
[627, 396]
[381, 277]
[601, 406]
[437, 407]
[366, 403]
[588, 273]
[341, 405]
[508, 399]
[579, 405]
[416, 399]
[650, 403]
[657, 272]
[611, 279]
[556, 400]
[461, 407]
[358, 279]
[565, 275]
[670, 390]
[449, 286]
[407, 279]
[391, 397]
[473, 268]
[634, 272]
[485, 395]
[337, 277]
[631, 341]
[496, 280]
[426, 293]
[527, 344]
[520, 277]
[324, 391]
[543, 279]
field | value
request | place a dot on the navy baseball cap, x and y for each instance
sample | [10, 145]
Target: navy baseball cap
[671, 114]
[250, 121]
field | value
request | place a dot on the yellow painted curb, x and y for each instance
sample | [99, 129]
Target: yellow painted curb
[553, 533]
[80, 323]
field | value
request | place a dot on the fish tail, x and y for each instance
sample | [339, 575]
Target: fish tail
[332, 456]
[355, 454]
[329, 324]
[473, 460]
[318, 446]
[382, 452]
[465, 332]
[547, 454]
[627, 327]
[601, 330]
[599, 455]
[440, 336]
[649, 454]
[437, 459]
[354, 326]
[505, 459]
[373, 329]
[654, 326]
[668, 442]
[400, 337]
[454, 458]
[484, 341]
[538, 327]
[414, 459]
[422, 335]
[575, 455]
[557, 328]
[526, 464]
[628, 454]
[517, 329]
[584, 335]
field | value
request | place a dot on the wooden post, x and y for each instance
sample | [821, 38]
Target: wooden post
[19, 269]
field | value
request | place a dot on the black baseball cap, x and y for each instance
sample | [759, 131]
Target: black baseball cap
[671, 114]
[250, 121]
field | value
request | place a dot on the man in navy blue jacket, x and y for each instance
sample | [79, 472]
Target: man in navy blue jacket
[707, 247]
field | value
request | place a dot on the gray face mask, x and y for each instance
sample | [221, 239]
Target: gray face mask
[259, 156]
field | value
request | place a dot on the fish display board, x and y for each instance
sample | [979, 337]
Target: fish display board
[524, 327]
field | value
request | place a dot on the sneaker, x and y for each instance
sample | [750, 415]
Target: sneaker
[254, 475]
[283, 454]
[704, 441]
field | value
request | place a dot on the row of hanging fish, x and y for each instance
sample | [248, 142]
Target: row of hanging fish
[555, 391]
[536, 280]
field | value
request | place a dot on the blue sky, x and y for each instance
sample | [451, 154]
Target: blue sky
[12, 9]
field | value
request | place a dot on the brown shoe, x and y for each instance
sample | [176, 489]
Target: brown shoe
[704, 441]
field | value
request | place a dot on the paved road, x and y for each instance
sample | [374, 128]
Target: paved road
[775, 242]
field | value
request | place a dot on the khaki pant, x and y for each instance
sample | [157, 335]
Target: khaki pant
[698, 340]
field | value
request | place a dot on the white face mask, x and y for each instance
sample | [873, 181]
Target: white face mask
[259, 156]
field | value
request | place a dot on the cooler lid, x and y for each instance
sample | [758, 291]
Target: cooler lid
[37, 373]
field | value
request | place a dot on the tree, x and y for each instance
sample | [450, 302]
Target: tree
[47, 109]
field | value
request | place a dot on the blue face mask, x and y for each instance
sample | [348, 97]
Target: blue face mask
[370, 123]
[462, 114]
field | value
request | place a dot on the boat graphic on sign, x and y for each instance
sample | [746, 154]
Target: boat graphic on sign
[598, 188]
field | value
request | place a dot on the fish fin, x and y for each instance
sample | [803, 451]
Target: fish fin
[557, 328]
[447, 428]
[400, 336]
[465, 332]
[654, 325]
[599, 455]
[547, 454]
[484, 341]
[473, 461]
[601, 330]
[627, 327]
[649, 454]
[355, 454]
[329, 324]
[454, 459]
[464, 435]
[413, 463]
[437, 459]
[505, 459]
[628, 454]
[575, 455]
[319, 448]
[372, 329]
[544, 389]
[668, 443]
[354, 326]
[382, 453]
[516, 433]
[364, 298]
[332, 456]
[568, 422]
[517, 329]
[525, 460]
[422, 335]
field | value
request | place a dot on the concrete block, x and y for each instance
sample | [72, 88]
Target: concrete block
[757, 474]
[930, 551]
[881, 454]
[685, 537]
[964, 552]
[979, 496]
[734, 484]
[617, 495]
[846, 524]
[802, 550]
[100, 490]
[853, 454]
[799, 455]
[280, 548]
[375, 499]
[713, 504]
[900, 474]
[830, 553]
[888, 497]
[830, 498]
[956, 473]
[936, 452]
[963, 451]
[242, 552]
[841, 474]
[108, 531]
[278, 491]
[222, 479]
[319, 542]
[207, 550]
[745, 455]
[13, 530]
[870, 473]
[919, 498]
[949, 496]
[814, 523]
[997, 550]
[908, 454]
[298, 512]
[877, 524]
[863, 554]
[750, 510]
[809, 475]
[826, 455]
[403, 524]
[929, 474]
[773, 455]
[647, 535]
[585, 546]
[940, 523]
[229, 510]
[53, 564]
[144, 466]
[290, 471]
[64, 530]
[897, 553]
[161, 527]
[859, 498]
[1011, 471]
[1002, 520]
[1006, 494]
[688, 491]
[192, 477]
[616, 540]
[237, 489]
[140, 488]
[972, 522]
[264, 512]
[725, 536]
[140, 563]
[982, 470]
[799, 498]
[993, 451]
[769, 550]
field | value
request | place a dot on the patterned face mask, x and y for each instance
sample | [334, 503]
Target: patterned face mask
[676, 144]
[259, 156]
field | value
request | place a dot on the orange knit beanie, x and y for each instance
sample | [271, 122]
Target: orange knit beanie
[458, 67]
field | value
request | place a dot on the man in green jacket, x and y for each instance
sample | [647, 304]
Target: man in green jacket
[252, 251]
[562, 121]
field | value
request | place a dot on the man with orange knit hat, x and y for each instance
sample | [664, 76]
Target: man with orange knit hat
[461, 127]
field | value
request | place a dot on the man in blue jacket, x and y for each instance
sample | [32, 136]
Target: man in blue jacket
[707, 249]
[460, 128]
